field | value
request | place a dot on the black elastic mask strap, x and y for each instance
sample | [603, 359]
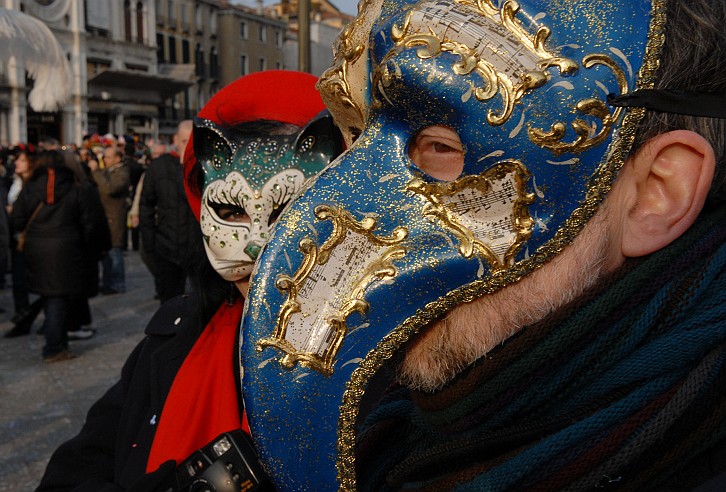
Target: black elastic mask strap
[691, 103]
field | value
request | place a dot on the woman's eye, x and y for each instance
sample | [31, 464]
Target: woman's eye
[437, 151]
[231, 214]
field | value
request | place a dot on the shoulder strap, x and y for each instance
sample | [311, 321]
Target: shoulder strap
[34, 215]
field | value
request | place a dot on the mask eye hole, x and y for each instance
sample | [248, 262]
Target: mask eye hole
[230, 213]
[438, 151]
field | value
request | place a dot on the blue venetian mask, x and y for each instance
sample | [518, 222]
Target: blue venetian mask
[376, 247]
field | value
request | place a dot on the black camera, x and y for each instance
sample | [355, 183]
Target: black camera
[228, 464]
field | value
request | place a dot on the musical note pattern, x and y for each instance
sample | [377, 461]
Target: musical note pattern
[488, 212]
[483, 35]
[329, 286]
[327, 290]
[489, 42]
[488, 215]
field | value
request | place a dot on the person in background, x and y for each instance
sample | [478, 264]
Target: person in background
[25, 163]
[143, 427]
[85, 156]
[157, 150]
[65, 234]
[113, 182]
[136, 170]
[166, 222]
[79, 317]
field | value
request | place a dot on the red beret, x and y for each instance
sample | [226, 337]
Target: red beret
[278, 95]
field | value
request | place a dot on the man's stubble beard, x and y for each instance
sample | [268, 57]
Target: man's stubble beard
[469, 331]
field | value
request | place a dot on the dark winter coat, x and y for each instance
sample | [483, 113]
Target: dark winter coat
[136, 170]
[113, 185]
[165, 218]
[111, 451]
[65, 240]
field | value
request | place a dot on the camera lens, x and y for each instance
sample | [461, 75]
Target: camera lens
[201, 486]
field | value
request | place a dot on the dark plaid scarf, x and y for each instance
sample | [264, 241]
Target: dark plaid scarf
[624, 389]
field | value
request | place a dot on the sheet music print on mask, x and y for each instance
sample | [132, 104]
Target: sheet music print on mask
[488, 215]
[482, 35]
[330, 285]
[327, 289]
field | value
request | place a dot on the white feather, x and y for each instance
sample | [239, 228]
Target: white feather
[32, 43]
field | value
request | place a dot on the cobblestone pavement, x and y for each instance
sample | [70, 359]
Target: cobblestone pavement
[42, 405]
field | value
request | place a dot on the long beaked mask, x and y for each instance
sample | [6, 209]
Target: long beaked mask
[374, 249]
[253, 177]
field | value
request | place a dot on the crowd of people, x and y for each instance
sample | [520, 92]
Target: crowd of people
[69, 210]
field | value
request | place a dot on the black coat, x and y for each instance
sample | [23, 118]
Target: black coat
[65, 240]
[111, 451]
[165, 218]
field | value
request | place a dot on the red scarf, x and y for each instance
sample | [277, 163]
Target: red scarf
[202, 401]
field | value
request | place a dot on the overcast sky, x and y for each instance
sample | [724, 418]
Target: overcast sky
[346, 6]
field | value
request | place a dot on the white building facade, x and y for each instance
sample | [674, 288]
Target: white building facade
[140, 66]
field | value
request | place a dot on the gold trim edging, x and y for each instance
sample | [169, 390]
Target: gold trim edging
[591, 106]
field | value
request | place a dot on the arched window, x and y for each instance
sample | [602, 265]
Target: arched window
[199, 60]
[213, 64]
[127, 20]
[198, 18]
[140, 22]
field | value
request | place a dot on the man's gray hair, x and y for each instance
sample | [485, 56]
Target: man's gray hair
[185, 125]
[693, 58]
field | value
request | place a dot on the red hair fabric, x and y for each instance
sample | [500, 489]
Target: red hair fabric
[278, 95]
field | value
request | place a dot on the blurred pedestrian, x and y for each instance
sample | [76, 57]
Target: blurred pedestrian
[25, 162]
[136, 170]
[79, 312]
[157, 150]
[64, 234]
[165, 219]
[113, 182]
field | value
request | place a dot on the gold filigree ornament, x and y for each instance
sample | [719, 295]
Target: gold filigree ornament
[329, 286]
[344, 86]
[586, 138]
[334, 82]
[524, 71]
[487, 212]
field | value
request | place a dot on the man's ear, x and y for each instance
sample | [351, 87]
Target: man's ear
[667, 182]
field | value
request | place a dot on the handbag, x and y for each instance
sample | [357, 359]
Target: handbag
[21, 235]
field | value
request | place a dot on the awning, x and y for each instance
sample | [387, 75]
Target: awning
[166, 86]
